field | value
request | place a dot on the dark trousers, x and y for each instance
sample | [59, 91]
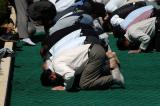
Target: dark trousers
[25, 28]
[155, 41]
[96, 74]
[157, 34]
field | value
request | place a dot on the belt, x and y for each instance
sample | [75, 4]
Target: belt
[89, 49]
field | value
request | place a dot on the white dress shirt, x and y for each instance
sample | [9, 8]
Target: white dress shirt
[63, 23]
[62, 5]
[102, 1]
[70, 63]
[67, 45]
[112, 5]
[116, 20]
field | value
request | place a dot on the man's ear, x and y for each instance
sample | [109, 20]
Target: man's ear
[53, 76]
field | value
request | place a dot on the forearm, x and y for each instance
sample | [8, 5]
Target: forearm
[69, 79]
[135, 51]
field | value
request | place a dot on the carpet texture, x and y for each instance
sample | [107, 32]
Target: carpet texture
[141, 73]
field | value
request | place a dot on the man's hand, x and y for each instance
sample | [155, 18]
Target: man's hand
[134, 51]
[58, 88]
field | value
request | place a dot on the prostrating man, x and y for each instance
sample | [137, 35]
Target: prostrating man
[90, 61]
[141, 37]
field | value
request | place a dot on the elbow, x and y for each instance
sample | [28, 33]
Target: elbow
[145, 43]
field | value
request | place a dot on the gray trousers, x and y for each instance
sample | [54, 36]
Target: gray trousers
[25, 28]
[96, 74]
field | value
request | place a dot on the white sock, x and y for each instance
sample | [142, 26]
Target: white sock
[28, 41]
[117, 75]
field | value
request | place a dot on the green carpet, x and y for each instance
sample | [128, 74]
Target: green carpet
[141, 72]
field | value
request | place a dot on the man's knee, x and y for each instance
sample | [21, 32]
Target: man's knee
[82, 86]
[98, 50]
[31, 29]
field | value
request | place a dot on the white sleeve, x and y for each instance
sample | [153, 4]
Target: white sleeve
[66, 72]
[69, 79]
[110, 7]
[53, 1]
[144, 42]
[140, 36]
[62, 5]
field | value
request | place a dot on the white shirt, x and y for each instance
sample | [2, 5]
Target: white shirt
[112, 5]
[71, 63]
[61, 42]
[62, 5]
[102, 1]
[142, 31]
[63, 23]
[68, 45]
[116, 20]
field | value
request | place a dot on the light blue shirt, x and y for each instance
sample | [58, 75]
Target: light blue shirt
[134, 16]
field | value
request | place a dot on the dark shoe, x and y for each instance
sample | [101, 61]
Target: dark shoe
[6, 52]
[8, 37]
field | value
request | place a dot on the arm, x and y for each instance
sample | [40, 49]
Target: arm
[135, 51]
[139, 35]
[66, 72]
[144, 44]
[69, 79]
[145, 40]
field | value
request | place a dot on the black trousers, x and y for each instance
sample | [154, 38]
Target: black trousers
[155, 41]
[157, 35]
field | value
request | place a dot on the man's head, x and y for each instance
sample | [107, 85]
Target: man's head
[123, 44]
[49, 78]
[98, 9]
[42, 12]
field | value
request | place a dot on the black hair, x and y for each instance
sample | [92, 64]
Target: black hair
[107, 26]
[158, 2]
[157, 13]
[94, 9]
[4, 11]
[98, 9]
[134, 45]
[121, 44]
[46, 80]
[42, 11]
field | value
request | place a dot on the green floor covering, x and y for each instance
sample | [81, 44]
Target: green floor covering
[141, 72]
